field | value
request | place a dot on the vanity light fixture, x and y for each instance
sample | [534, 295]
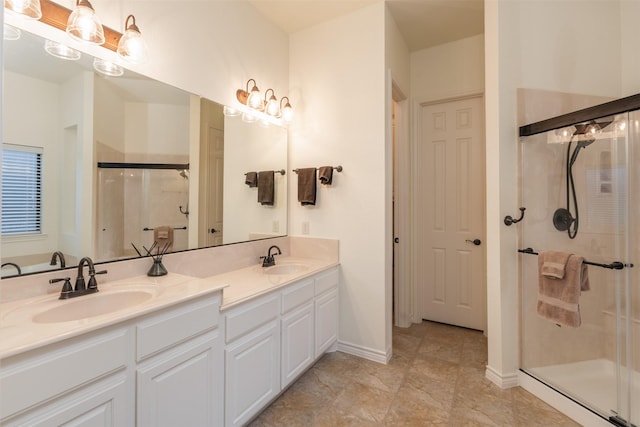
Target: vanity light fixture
[61, 51]
[11, 33]
[107, 68]
[287, 110]
[26, 8]
[272, 107]
[251, 99]
[83, 24]
[132, 46]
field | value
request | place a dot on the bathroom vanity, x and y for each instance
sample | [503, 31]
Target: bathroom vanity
[195, 351]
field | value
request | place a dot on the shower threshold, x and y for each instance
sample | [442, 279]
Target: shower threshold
[591, 383]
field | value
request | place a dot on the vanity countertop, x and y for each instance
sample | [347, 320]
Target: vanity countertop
[19, 331]
[250, 282]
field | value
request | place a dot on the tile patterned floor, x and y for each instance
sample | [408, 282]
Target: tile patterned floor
[435, 378]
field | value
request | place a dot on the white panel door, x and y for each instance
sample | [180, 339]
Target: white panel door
[450, 221]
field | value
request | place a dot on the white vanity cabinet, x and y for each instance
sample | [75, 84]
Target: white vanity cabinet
[80, 381]
[272, 339]
[326, 310]
[179, 373]
[161, 369]
[252, 358]
[298, 330]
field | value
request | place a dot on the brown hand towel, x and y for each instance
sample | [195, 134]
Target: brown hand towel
[251, 179]
[554, 263]
[265, 188]
[307, 186]
[163, 235]
[325, 175]
[559, 299]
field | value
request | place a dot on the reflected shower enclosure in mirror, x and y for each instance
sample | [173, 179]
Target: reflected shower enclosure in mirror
[78, 120]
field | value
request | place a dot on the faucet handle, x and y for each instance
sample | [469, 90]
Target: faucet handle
[93, 284]
[67, 290]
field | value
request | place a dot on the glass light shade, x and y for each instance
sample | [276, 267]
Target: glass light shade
[287, 113]
[255, 99]
[84, 25]
[61, 51]
[107, 68]
[230, 112]
[11, 33]
[273, 107]
[26, 8]
[132, 47]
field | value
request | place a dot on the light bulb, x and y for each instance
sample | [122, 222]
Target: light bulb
[132, 46]
[255, 99]
[25, 8]
[84, 25]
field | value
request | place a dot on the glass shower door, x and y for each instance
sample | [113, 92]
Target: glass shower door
[578, 185]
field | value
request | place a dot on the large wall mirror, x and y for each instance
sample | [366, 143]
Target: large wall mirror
[122, 165]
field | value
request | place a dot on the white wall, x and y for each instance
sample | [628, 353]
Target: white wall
[543, 45]
[397, 56]
[630, 33]
[337, 75]
[251, 147]
[448, 70]
[156, 130]
[30, 100]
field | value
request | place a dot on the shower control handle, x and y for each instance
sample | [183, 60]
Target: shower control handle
[476, 242]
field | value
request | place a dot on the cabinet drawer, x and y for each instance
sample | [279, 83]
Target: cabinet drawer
[297, 294]
[326, 281]
[251, 316]
[170, 328]
[65, 366]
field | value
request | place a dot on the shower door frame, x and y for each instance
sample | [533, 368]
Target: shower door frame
[624, 397]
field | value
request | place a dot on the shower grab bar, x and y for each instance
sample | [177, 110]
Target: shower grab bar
[175, 228]
[616, 265]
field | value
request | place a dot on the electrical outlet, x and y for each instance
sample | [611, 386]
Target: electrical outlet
[305, 227]
[276, 226]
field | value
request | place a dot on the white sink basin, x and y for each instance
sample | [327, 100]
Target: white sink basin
[286, 269]
[93, 305]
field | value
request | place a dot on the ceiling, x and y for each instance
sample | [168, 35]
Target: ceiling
[423, 23]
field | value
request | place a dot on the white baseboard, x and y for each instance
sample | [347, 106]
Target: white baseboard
[501, 380]
[365, 352]
[560, 402]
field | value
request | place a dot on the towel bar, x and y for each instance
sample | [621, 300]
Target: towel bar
[336, 168]
[281, 172]
[175, 228]
[616, 265]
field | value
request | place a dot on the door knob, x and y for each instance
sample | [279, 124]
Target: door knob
[476, 242]
[396, 240]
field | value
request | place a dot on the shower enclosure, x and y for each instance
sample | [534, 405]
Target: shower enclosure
[580, 185]
[133, 199]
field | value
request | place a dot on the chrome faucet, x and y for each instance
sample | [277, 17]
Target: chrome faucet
[60, 256]
[268, 261]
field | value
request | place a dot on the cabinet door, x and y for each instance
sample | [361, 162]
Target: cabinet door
[298, 351]
[326, 321]
[103, 403]
[182, 386]
[252, 374]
